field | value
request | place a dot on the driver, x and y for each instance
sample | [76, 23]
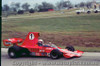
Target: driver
[40, 42]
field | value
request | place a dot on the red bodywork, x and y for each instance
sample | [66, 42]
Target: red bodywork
[31, 43]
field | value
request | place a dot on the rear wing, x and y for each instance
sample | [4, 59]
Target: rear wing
[8, 42]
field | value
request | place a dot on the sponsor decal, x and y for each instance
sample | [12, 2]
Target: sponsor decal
[41, 50]
[49, 48]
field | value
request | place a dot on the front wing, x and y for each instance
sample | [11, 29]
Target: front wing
[70, 54]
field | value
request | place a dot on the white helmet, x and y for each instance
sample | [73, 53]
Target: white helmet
[41, 41]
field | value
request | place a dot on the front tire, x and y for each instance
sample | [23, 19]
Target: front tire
[70, 48]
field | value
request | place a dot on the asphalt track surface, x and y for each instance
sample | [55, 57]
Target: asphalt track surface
[87, 59]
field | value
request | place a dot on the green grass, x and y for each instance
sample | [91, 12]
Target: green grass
[60, 24]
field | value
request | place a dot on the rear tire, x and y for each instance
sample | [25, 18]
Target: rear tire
[14, 52]
[70, 48]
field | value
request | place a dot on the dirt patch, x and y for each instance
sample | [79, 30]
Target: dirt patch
[60, 39]
[71, 40]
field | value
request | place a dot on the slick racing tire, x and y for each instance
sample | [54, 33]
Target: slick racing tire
[70, 48]
[55, 54]
[14, 52]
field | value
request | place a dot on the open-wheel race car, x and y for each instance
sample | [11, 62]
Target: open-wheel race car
[35, 47]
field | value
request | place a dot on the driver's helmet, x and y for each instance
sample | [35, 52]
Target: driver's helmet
[41, 41]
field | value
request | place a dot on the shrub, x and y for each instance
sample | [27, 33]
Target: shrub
[20, 12]
[96, 11]
[31, 11]
[88, 12]
[43, 10]
[78, 12]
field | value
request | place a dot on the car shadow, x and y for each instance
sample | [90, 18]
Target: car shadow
[36, 57]
[45, 57]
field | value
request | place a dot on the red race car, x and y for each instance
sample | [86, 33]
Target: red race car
[34, 46]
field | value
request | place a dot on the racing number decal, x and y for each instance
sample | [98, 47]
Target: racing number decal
[31, 36]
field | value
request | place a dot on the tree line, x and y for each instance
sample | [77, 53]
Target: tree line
[26, 7]
[85, 4]
[37, 7]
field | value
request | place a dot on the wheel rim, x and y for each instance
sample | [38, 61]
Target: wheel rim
[69, 49]
[12, 54]
[54, 55]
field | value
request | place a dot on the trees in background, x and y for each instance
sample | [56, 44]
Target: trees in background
[17, 5]
[5, 7]
[64, 4]
[17, 8]
[31, 10]
[25, 6]
[45, 6]
[89, 5]
[36, 7]
[84, 4]
[13, 7]
[20, 12]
